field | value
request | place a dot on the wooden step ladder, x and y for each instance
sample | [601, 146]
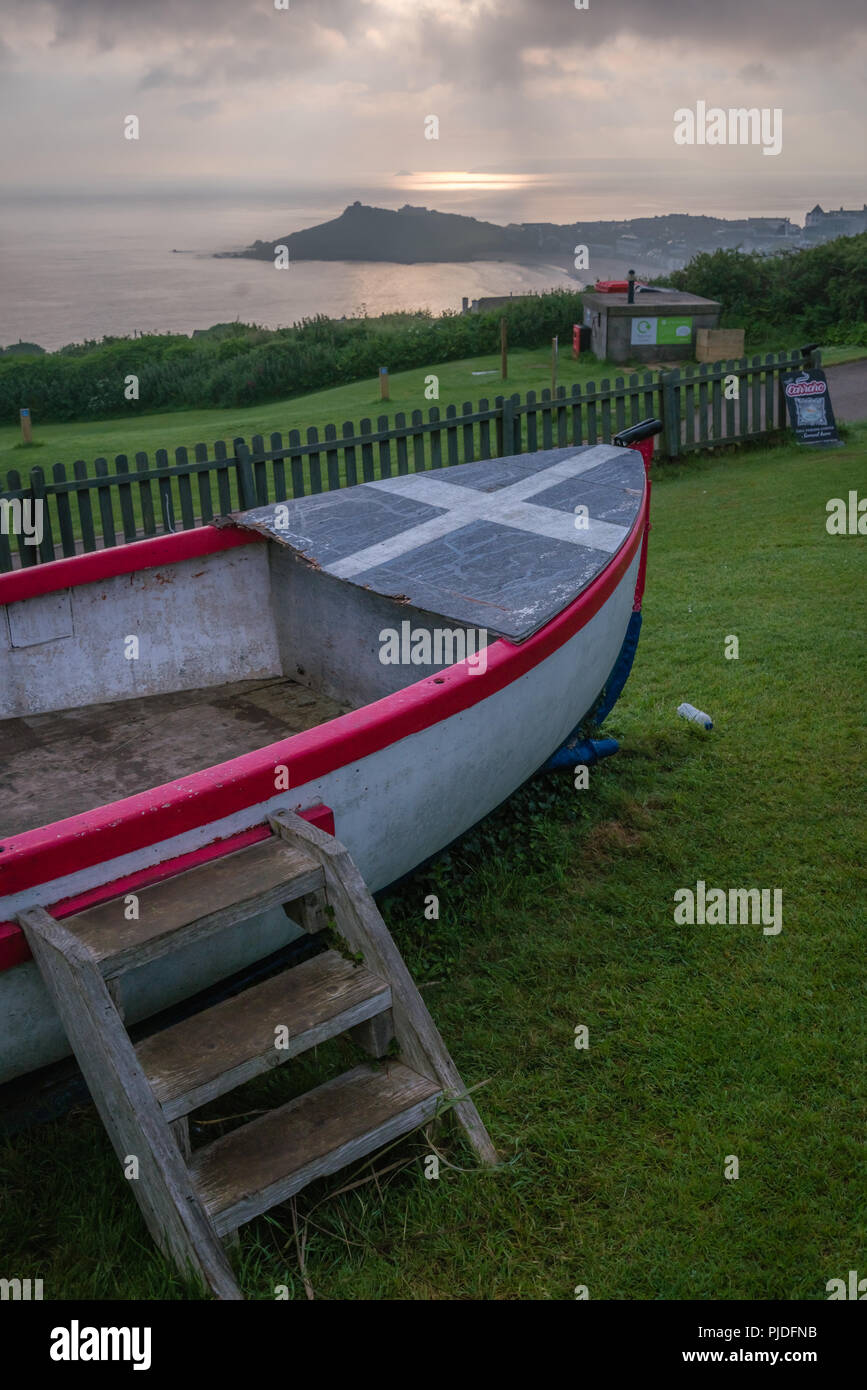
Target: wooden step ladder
[192, 1200]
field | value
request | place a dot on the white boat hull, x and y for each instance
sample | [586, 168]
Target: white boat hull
[403, 777]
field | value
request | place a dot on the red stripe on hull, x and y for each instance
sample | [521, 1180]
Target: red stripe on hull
[122, 559]
[13, 944]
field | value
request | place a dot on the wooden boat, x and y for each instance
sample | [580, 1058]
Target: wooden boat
[390, 660]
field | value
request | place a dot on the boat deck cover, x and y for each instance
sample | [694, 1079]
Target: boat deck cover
[496, 544]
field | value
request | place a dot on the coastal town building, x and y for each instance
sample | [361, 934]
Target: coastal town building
[824, 226]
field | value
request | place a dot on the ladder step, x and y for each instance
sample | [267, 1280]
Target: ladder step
[202, 1057]
[265, 1162]
[143, 1093]
[195, 904]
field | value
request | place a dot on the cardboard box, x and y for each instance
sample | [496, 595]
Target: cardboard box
[718, 344]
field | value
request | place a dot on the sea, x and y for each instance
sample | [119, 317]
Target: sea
[76, 267]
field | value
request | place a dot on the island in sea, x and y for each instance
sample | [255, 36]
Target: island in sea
[411, 235]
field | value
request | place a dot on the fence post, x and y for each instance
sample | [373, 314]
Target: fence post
[506, 428]
[246, 483]
[168, 509]
[40, 507]
[782, 406]
[5, 547]
[515, 444]
[670, 415]
[164, 488]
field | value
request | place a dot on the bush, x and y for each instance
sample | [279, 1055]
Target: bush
[243, 364]
[815, 294]
[22, 349]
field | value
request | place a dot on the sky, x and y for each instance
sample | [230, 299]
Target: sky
[336, 94]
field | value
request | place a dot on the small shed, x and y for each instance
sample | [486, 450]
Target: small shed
[660, 326]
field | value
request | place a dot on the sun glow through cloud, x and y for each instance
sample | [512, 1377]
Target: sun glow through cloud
[464, 181]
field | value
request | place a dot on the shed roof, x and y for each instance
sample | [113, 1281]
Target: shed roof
[649, 303]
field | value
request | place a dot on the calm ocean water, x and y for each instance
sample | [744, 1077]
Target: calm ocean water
[76, 268]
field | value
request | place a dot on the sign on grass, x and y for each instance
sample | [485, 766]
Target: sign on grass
[809, 403]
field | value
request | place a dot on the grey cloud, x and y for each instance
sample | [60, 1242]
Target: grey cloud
[566, 164]
[161, 76]
[509, 27]
[741, 24]
[227, 65]
[501, 30]
[235, 41]
[107, 24]
[242, 41]
[756, 72]
[198, 110]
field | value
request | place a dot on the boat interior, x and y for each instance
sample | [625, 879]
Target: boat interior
[82, 758]
[122, 683]
[110, 688]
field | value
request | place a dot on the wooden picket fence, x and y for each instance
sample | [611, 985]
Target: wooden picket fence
[99, 507]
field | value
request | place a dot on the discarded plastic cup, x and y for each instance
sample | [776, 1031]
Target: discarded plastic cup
[696, 716]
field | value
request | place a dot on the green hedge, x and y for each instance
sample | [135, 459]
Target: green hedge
[243, 364]
[819, 294]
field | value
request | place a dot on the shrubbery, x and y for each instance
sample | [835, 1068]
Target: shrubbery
[818, 295]
[243, 364]
[22, 349]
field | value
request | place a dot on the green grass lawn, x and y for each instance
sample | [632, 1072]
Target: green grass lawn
[705, 1041]
[834, 356]
[461, 384]
[529, 370]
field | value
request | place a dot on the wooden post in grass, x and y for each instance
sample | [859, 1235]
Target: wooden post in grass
[26, 425]
[504, 351]
[383, 383]
[555, 357]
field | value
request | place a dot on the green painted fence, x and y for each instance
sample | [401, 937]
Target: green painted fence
[99, 506]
